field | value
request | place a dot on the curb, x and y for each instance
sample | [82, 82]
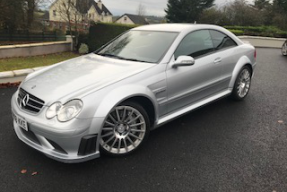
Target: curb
[263, 42]
[16, 75]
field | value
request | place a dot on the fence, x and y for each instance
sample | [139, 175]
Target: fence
[26, 36]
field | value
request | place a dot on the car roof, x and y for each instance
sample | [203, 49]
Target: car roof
[185, 28]
[175, 27]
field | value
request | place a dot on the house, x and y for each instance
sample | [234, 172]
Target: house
[132, 20]
[78, 11]
[42, 17]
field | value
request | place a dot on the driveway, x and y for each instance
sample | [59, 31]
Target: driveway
[224, 146]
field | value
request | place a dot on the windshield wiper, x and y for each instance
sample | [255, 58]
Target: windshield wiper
[137, 60]
[122, 58]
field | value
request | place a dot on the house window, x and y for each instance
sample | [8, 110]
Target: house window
[89, 15]
[125, 18]
[54, 13]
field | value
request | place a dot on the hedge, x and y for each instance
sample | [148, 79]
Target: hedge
[264, 31]
[237, 32]
[102, 33]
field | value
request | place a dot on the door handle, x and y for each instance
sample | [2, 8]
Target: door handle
[217, 60]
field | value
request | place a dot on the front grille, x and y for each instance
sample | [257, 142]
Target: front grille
[29, 102]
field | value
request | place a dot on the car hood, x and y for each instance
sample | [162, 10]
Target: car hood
[90, 72]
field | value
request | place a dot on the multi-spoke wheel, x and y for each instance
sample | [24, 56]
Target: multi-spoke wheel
[242, 84]
[284, 49]
[126, 127]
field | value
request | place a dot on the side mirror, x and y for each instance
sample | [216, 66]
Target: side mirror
[183, 61]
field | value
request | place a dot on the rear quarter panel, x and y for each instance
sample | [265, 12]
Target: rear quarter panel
[244, 55]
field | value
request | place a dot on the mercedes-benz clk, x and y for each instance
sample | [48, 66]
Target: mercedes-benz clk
[108, 101]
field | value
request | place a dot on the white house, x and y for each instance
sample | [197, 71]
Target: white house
[79, 11]
[130, 19]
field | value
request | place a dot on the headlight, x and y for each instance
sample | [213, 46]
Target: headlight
[64, 112]
[53, 110]
[70, 110]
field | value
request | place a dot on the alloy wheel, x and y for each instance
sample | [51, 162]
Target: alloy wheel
[123, 131]
[243, 83]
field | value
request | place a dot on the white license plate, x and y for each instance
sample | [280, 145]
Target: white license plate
[21, 122]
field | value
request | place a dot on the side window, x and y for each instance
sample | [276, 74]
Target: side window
[195, 44]
[221, 40]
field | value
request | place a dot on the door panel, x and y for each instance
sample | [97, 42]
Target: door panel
[226, 49]
[186, 85]
[189, 84]
[227, 64]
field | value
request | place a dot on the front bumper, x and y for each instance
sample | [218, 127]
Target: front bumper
[64, 142]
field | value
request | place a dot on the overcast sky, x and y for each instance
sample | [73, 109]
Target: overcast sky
[153, 7]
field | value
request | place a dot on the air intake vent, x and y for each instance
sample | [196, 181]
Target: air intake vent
[88, 145]
[29, 102]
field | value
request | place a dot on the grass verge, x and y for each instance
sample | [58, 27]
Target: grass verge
[10, 64]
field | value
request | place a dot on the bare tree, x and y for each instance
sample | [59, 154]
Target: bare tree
[141, 11]
[73, 13]
[30, 7]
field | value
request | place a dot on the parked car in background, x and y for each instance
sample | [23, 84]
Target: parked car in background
[284, 48]
[108, 101]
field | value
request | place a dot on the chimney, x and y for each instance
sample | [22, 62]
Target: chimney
[100, 4]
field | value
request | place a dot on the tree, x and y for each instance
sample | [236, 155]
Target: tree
[12, 15]
[266, 10]
[18, 14]
[214, 16]
[141, 11]
[31, 6]
[238, 12]
[241, 13]
[74, 12]
[261, 4]
[279, 10]
[280, 5]
[186, 11]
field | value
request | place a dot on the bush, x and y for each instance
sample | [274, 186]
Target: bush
[82, 39]
[84, 49]
[102, 33]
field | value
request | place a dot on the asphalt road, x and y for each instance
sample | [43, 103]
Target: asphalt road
[224, 146]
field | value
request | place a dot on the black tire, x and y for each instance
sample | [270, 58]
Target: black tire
[241, 88]
[284, 49]
[128, 137]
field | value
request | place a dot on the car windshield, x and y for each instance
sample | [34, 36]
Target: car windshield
[142, 46]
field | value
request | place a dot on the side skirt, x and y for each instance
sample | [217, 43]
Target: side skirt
[177, 114]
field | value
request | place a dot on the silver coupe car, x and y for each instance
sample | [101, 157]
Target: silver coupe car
[109, 100]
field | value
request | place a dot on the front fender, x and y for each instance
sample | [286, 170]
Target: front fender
[244, 60]
[118, 95]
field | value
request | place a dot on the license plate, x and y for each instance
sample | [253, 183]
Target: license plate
[21, 122]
